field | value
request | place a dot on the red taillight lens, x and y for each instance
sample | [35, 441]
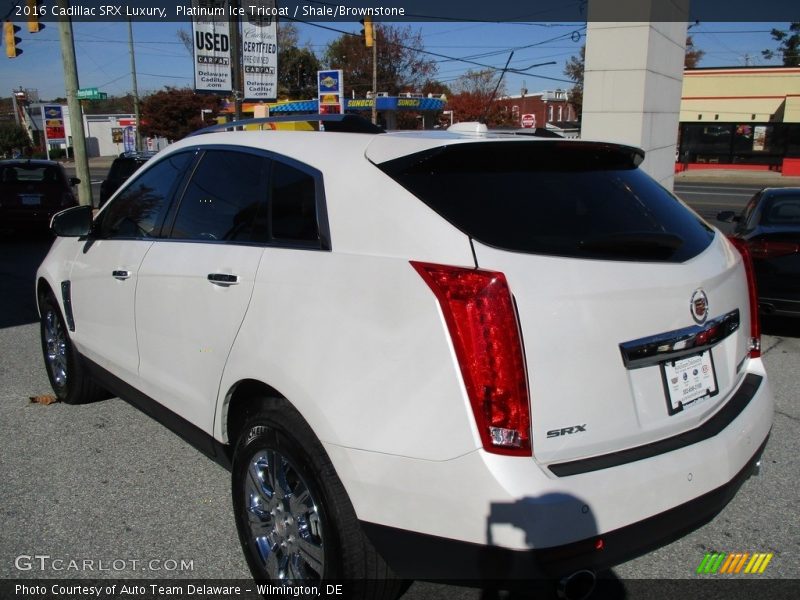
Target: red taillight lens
[761, 249]
[755, 324]
[480, 317]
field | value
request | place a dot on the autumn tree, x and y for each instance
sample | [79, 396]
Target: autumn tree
[109, 106]
[474, 98]
[13, 137]
[788, 47]
[693, 54]
[574, 70]
[173, 113]
[297, 73]
[402, 66]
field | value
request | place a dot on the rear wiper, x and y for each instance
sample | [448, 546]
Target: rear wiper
[639, 244]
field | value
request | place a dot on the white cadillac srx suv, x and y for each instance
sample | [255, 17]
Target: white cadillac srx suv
[452, 354]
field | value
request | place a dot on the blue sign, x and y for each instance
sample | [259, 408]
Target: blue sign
[329, 82]
[53, 111]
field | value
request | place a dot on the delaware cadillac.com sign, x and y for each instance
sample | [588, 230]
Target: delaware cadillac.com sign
[212, 46]
[260, 51]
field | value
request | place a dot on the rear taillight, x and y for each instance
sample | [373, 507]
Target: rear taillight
[761, 249]
[482, 322]
[755, 324]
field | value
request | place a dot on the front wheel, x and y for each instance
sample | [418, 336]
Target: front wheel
[295, 520]
[68, 377]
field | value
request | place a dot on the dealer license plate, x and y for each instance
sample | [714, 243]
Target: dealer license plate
[688, 381]
[30, 199]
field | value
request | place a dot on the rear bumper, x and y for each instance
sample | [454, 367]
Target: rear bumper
[482, 516]
[419, 556]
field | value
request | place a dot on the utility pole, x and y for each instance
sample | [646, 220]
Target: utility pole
[135, 87]
[75, 112]
[374, 77]
[236, 59]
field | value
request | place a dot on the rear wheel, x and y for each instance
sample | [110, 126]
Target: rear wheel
[68, 377]
[295, 520]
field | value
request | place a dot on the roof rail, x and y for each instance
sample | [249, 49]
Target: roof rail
[338, 123]
[533, 132]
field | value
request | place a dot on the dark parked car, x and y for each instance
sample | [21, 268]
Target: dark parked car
[31, 192]
[770, 226]
[122, 168]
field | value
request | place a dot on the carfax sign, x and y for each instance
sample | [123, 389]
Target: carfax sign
[212, 47]
[260, 51]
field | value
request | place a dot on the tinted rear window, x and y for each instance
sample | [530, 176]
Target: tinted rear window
[558, 198]
[125, 167]
[782, 210]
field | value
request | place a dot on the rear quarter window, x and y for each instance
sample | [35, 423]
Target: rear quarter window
[581, 200]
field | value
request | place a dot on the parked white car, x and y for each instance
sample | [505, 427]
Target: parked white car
[455, 354]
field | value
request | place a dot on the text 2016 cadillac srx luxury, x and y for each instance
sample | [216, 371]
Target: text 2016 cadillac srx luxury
[455, 354]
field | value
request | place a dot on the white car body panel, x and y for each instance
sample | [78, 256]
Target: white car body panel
[483, 498]
[186, 325]
[107, 332]
[575, 313]
[357, 342]
[337, 335]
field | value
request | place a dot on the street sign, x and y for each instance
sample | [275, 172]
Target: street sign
[529, 121]
[90, 94]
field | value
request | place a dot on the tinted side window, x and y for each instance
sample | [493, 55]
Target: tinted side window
[294, 205]
[225, 199]
[139, 210]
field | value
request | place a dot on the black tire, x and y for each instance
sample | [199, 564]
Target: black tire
[276, 444]
[68, 377]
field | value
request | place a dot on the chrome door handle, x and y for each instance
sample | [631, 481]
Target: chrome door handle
[120, 274]
[223, 278]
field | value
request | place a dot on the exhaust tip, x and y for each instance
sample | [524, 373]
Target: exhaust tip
[756, 469]
[577, 586]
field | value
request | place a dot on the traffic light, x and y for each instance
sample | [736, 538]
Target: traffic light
[33, 12]
[11, 40]
[367, 33]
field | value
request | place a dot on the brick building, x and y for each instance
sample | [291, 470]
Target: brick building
[549, 109]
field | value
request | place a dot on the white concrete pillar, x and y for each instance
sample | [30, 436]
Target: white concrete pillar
[632, 83]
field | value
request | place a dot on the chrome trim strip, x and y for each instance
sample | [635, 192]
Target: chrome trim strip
[651, 350]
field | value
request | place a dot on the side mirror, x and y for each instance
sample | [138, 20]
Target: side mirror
[74, 180]
[73, 222]
[728, 216]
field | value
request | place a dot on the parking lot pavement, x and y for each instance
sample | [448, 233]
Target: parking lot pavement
[103, 482]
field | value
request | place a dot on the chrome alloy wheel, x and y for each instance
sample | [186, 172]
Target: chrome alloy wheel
[55, 339]
[284, 520]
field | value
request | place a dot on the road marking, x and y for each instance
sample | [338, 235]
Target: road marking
[707, 193]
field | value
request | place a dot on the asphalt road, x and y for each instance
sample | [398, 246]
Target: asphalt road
[103, 482]
[709, 199]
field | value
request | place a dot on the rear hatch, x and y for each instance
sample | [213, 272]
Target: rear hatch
[611, 275]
